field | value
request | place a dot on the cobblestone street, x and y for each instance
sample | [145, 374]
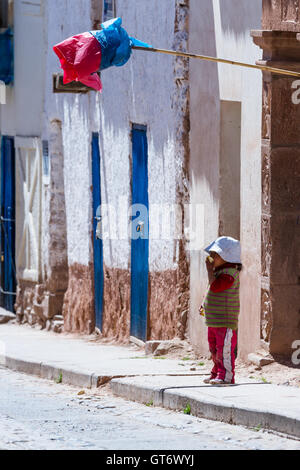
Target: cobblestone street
[36, 414]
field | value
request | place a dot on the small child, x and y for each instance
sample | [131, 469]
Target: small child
[221, 307]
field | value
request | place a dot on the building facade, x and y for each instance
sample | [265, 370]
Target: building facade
[170, 149]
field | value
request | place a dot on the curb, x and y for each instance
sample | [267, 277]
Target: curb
[74, 377]
[54, 372]
[173, 400]
[204, 408]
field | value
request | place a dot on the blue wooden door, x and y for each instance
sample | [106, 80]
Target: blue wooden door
[8, 269]
[98, 243]
[139, 235]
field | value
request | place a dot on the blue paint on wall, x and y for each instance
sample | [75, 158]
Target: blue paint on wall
[98, 243]
[7, 233]
[140, 239]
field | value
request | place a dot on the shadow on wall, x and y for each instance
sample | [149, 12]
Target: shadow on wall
[74, 107]
[135, 93]
[239, 16]
[205, 106]
[204, 153]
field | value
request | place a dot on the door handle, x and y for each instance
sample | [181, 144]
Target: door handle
[98, 228]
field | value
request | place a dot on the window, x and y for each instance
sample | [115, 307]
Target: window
[109, 9]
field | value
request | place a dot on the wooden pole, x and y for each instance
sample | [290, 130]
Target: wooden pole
[188, 55]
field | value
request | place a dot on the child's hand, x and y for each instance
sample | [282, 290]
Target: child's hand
[210, 270]
[209, 265]
[201, 311]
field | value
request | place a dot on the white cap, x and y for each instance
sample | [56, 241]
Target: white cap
[228, 248]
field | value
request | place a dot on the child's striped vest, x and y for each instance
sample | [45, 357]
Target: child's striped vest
[222, 308]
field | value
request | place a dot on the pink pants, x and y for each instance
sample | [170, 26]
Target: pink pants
[222, 343]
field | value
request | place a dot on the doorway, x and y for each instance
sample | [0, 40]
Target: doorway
[8, 266]
[139, 233]
[97, 240]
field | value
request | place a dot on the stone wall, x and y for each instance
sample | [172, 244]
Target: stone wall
[280, 294]
[116, 303]
[281, 15]
[78, 307]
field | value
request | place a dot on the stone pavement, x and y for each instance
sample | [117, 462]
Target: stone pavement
[87, 363]
[39, 414]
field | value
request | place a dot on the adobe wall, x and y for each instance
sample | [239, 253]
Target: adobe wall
[150, 90]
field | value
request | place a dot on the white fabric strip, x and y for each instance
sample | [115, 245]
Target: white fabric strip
[227, 355]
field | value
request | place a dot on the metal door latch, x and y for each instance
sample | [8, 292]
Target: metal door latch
[140, 227]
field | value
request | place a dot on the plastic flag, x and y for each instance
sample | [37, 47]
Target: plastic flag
[83, 55]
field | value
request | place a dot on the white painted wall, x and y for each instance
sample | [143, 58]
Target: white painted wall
[140, 92]
[64, 19]
[221, 28]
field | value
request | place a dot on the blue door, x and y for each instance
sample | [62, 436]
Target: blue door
[139, 234]
[7, 233]
[98, 243]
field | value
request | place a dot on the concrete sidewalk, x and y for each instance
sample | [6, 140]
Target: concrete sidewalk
[87, 362]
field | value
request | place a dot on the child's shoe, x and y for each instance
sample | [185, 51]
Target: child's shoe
[208, 380]
[219, 382]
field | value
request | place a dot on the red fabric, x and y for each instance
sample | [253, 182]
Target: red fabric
[223, 282]
[222, 343]
[80, 58]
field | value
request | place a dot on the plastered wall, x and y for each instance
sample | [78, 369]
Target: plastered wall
[216, 31]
